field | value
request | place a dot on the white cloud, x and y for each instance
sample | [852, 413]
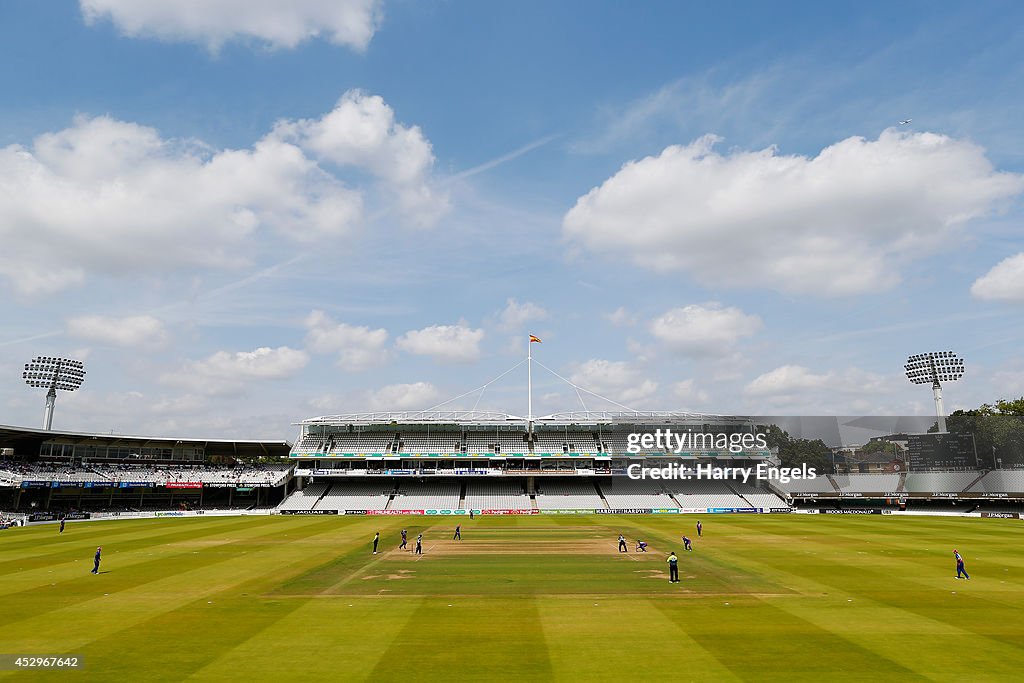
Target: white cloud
[688, 392]
[515, 315]
[361, 131]
[1008, 382]
[358, 347]
[139, 330]
[620, 317]
[1005, 282]
[277, 23]
[176, 416]
[107, 196]
[791, 380]
[448, 343]
[327, 403]
[415, 396]
[703, 330]
[616, 380]
[840, 223]
[641, 353]
[114, 197]
[226, 373]
[786, 379]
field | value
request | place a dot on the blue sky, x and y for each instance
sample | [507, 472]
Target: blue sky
[241, 219]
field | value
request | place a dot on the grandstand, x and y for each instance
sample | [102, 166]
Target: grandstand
[458, 460]
[568, 494]
[447, 462]
[622, 494]
[497, 495]
[941, 482]
[866, 483]
[754, 496]
[999, 481]
[809, 487]
[702, 493]
[426, 495]
[304, 499]
[355, 495]
[58, 470]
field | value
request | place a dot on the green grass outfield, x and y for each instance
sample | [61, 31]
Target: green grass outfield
[301, 598]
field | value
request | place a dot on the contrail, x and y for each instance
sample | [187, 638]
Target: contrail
[44, 335]
[488, 165]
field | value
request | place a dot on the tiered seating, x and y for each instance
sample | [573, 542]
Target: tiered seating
[548, 442]
[557, 442]
[704, 493]
[303, 499]
[614, 442]
[426, 495]
[507, 442]
[808, 486]
[356, 495]
[496, 495]
[567, 495]
[867, 483]
[757, 497]
[939, 482]
[244, 475]
[512, 442]
[361, 442]
[252, 475]
[627, 493]
[1000, 481]
[434, 442]
[311, 442]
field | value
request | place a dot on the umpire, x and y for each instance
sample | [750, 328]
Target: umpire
[673, 568]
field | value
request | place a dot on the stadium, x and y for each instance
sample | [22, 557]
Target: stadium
[222, 558]
[254, 253]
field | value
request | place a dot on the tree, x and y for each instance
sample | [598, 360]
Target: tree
[880, 446]
[814, 454]
[796, 452]
[998, 430]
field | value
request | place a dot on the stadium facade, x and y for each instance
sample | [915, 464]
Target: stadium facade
[46, 473]
[453, 462]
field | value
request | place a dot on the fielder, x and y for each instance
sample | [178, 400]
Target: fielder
[960, 569]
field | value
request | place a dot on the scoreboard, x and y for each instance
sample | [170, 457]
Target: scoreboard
[941, 451]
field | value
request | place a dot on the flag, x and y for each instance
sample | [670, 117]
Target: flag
[535, 339]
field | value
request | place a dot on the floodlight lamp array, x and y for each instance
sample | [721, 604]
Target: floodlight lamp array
[45, 372]
[937, 366]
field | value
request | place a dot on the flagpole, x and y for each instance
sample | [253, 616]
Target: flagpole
[529, 385]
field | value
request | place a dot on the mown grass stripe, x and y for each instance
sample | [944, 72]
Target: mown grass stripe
[86, 625]
[278, 597]
[123, 572]
[41, 540]
[468, 640]
[328, 640]
[727, 631]
[581, 634]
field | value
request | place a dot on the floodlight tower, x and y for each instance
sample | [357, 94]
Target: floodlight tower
[48, 372]
[925, 368]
